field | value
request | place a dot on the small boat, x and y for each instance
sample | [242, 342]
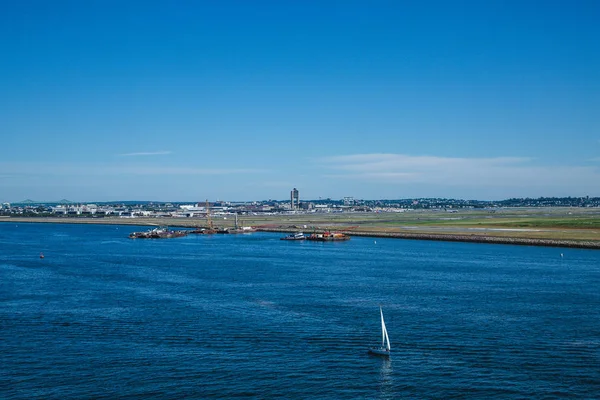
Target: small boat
[384, 349]
[41, 255]
[294, 236]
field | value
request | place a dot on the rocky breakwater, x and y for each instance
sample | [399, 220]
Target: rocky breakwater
[583, 244]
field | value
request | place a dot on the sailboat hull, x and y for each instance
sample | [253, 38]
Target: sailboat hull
[380, 351]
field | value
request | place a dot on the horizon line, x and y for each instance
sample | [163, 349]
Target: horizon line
[26, 201]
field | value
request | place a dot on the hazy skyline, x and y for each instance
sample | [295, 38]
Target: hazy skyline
[236, 100]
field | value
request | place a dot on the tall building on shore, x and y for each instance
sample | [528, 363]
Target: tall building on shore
[294, 199]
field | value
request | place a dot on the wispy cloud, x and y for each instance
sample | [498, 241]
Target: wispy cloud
[386, 162]
[456, 171]
[273, 184]
[158, 170]
[148, 153]
[45, 169]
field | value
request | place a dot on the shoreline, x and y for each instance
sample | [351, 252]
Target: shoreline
[446, 237]
[593, 245]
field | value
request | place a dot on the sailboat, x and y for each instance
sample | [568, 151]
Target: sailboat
[384, 349]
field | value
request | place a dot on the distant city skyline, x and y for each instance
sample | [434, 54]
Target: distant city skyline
[240, 101]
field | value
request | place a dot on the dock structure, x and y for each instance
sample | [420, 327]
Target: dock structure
[158, 233]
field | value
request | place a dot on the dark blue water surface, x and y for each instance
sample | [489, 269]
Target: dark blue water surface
[104, 316]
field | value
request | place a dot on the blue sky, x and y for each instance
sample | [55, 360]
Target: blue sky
[244, 100]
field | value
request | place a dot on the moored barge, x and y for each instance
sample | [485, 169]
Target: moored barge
[328, 237]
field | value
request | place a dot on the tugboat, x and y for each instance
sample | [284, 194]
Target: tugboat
[294, 236]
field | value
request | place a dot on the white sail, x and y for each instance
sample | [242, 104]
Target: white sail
[384, 349]
[385, 340]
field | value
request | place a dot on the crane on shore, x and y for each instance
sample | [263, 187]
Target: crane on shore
[208, 219]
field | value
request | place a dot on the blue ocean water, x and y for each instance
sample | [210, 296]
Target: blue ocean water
[104, 316]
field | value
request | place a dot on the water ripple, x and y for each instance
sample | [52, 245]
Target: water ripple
[249, 316]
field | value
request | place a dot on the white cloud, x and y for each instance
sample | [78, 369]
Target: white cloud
[380, 162]
[509, 172]
[150, 153]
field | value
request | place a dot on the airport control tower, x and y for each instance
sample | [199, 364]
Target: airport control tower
[294, 199]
